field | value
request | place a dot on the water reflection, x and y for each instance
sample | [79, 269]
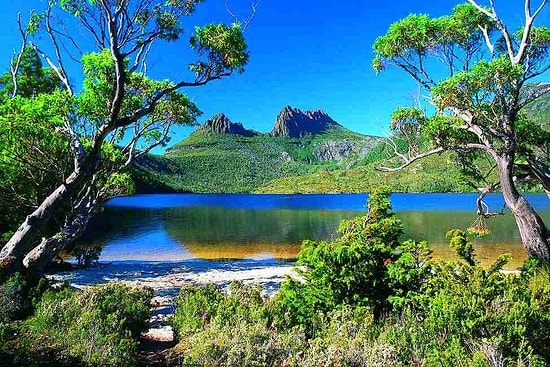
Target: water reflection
[223, 230]
[433, 226]
[209, 232]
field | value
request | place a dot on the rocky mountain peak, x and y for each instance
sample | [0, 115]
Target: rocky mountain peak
[293, 123]
[220, 124]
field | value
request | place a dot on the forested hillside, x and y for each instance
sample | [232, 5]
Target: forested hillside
[305, 152]
[222, 156]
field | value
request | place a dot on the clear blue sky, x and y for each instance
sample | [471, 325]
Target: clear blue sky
[306, 53]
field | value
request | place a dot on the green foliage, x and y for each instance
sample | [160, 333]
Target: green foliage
[99, 77]
[217, 329]
[406, 119]
[14, 301]
[367, 266]
[222, 46]
[99, 326]
[433, 174]
[347, 337]
[198, 306]
[33, 153]
[32, 77]
[477, 87]
[461, 244]
[417, 35]
[32, 148]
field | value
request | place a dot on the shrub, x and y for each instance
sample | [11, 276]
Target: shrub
[234, 329]
[347, 337]
[242, 344]
[99, 326]
[366, 266]
[199, 305]
[13, 298]
[469, 315]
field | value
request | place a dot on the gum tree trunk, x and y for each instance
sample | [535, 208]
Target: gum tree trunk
[533, 232]
[24, 239]
[11, 255]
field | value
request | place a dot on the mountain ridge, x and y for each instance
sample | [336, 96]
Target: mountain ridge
[291, 122]
[221, 124]
[223, 156]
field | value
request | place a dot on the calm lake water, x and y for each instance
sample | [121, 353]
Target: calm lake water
[218, 228]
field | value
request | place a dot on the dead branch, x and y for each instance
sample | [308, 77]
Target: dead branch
[14, 68]
[482, 207]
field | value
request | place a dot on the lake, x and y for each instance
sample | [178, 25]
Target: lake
[166, 235]
[175, 227]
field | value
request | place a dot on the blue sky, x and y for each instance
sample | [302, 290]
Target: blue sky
[306, 53]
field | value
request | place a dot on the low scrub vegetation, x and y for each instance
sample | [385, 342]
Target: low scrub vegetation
[99, 326]
[368, 299]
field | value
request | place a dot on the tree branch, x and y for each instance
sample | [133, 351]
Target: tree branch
[482, 208]
[62, 73]
[488, 42]
[14, 68]
[411, 160]
[527, 30]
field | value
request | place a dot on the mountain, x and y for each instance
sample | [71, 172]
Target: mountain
[293, 123]
[220, 124]
[222, 156]
[304, 152]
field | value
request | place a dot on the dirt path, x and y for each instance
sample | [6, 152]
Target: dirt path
[157, 341]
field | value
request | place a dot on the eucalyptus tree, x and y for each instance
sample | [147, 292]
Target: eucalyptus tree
[32, 156]
[481, 77]
[118, 113]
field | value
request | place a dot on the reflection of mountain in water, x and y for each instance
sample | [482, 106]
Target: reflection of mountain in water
[247, 230]
[210, 232]
[236, 233]
[434, 225]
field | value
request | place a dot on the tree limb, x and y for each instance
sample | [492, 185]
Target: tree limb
[411, 160]
[14, 68]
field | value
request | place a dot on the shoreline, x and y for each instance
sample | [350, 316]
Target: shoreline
[166, 278]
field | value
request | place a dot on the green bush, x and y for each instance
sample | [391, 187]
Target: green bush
[366, 266]
[197, 306]
[469, 315]
[13, 298]
[347, 337]
[99, 326]
[234, 329]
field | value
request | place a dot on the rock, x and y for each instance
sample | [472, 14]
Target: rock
[164, 334]
[285, 157]
[293, 123]
[333, 150]
[220, 124]
[161, 301]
